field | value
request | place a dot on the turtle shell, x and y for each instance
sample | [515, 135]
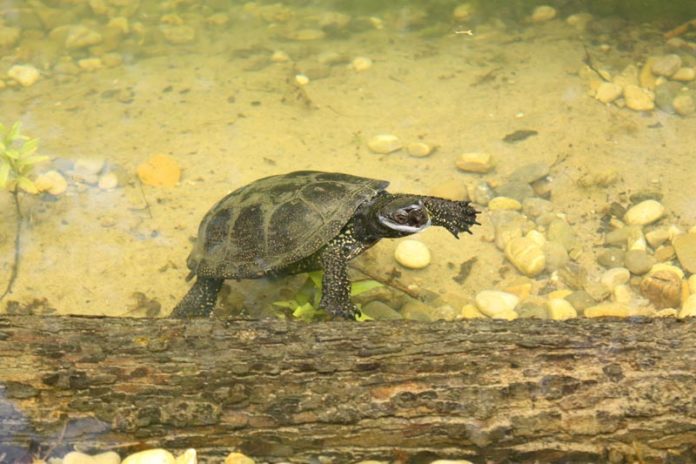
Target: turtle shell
[276, 221]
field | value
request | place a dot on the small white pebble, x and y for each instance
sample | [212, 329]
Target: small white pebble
[384, 143]
[419, 149]
[301, 79]
[75, 457]
[108, 181]
[151, 456]
[52, 182]
[494, 302]
[615, 276]
[187, 457]
[412, 254]
[279, 56]
[560, 309]
[361, 63]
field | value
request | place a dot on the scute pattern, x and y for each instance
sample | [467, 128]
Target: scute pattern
[276, 221]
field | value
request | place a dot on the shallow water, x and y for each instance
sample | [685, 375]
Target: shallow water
[228, 110]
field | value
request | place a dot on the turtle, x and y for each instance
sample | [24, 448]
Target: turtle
[305, 221]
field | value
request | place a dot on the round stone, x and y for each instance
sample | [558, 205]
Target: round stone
[666, 65]
[560, 310]
[151, 456]
[543, 13]
[75, 457]
[419, 149]
[494, 302]
[607, 92]
[108, 181]
[615, 276]
[688, 309]
[611, 257]
[684, 105]
[684, 74]
[638, 98]
[52, 182]
[645, 212]
[504, 203]
[25, 75]
[526, 255]
[412, 254]
[638, 261]
[361, 63]
[384, 143]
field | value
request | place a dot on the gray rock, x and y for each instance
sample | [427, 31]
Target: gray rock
[560, 231]
[638, 261]
[517, 190]
[556, 256]
[664, 95]
[530, 172]
[417, 311]
[481, 193]
[380, 311]
[530, 310]
[534, 207]
[611, 257]
[580, 300]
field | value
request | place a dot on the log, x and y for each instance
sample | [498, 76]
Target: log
[489, 391]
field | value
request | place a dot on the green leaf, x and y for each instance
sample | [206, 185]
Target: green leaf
[26, 185]
[14, 131]
[363, 286]
[29, 147]
[306, 312]
[30, 160]
[362, 317]
[11, 153]
[290, 304]
[316, 277]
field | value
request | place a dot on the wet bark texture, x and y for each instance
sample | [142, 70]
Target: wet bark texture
[521, 391]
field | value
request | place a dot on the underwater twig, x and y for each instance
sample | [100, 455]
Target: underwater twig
[388, 283]
[147, 203]
[18, 231]
[590, 64]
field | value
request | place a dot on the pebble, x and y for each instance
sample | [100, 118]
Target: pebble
[532, 310]
[665, 95]
[580, 300]
[579, 20]
[685, 247]
[178, 35]
[108, 181]
[663, 288]
[361, 63]
[543, 13]
[615, 276]
[684, 74]
[419, 149]
[638, 261]
[90, 64]
[614, 310]
[657, 237]
[645, 212]
[688, 309]
[479, 162]
[470, 311]
[691, 281]
[556, 256]
[280, 56]
[526, 255]
[667, 267]
[384, 143]
[380, 311]
[75, 457]
[535, 207]
[301, 79]
[187, 457]
[494, 302]
[9, 36]
[462, 13]
[480, 193]
[607, 92]
[217, 19]
[238, 458]
[159, 171]
[25, 75]
[515, 189]
[561, 232]
[81, 36]
[560, 310]
[307, 35]
[622, 294]
[636, 240]
[451, 461]
[530, 172]
[504, 203]
[151, 456]
[412, 254]
[52, 182]
[611, 257]
[684, 105]
[638, 98]
[507, 225]
[417, 311]
[666, 65]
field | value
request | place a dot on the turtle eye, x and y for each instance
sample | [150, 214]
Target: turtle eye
[401, 217]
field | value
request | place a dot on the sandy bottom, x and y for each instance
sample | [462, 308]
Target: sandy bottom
[118, 252]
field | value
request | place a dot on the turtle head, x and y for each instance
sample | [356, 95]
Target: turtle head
[402, 215]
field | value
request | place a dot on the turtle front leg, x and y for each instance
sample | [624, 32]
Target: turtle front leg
[455, 216]
[335, 286]
[200, 299]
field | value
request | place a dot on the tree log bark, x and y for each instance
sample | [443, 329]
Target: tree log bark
[489, 391]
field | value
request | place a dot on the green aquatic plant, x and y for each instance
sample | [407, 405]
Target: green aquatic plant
[305, 303]
[17, 161]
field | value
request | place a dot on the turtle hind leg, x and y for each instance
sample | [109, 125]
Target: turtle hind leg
[200, 299]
